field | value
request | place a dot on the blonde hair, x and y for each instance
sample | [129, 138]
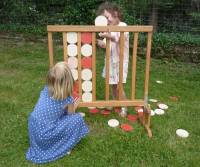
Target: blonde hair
[60, 81]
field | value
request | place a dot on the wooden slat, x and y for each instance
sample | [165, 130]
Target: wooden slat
[50, 46]
[134, 59]
[93, 66]
[79, 65]
[114, 103]
[91, 28]
[65, 46]
[107, 68]
[148, 53]
[121, 62]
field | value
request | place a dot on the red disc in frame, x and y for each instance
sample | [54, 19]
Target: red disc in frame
[86, 62]
[86, 37]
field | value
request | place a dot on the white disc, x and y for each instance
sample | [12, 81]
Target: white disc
[72, 50]
[87, 86]
[72, 37]
[113, 123]
[182, 133]
[153, 100]
[87, 97]
[86, 74]
[101, 21]
[72, 62]
[82, 114]
[162, 106]
[100, 107]
[159, 111]
[159, 82]
[152, 113]
[86, 50]
[140, 110]
[109, 108]
[74, 74]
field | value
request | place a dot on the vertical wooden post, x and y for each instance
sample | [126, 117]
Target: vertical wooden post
[147, 69]
[134, 59]
[108, 50]
[94, 66]
[79, 65]
[50, 45]
[121, 62]
[65, 46]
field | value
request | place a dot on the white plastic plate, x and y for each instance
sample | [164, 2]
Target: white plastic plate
[72, 37]
[101, 21]
[113, 123]
[86, 74]
[86, 50]
[87, 86]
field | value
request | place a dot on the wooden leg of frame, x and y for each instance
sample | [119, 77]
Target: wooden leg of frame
[146, 120]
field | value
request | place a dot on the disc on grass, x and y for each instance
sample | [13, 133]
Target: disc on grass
[126, 127]
[72, 62]
[159, 82]
[87, 97]
[72, 50]
[86, 74]
[113, 123]
[162, 106]
[72, 37]
[132, 118]
[105, 112]
[153, 100]
[86, 50]
[101, 21]
[87, 86]
[152, 113]
[182, 133]
[94, 111]
[159, 111]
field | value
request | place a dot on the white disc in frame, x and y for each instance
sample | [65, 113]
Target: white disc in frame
[72, 62]
[87, 97]
[101, 21]
[74, 74]
[72, 50]
[87, 86]
[86, 50]
[72, 37]
[86, 74]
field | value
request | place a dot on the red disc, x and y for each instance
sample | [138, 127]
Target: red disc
[105, 112]
[86, 37]
[132, 118]
[94, 111]
[75, 94]
[126, 127]
[86, 62]
[117, 110]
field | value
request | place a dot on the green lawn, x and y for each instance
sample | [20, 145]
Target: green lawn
[23, 67]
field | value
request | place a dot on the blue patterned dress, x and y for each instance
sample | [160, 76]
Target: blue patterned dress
[52, 131]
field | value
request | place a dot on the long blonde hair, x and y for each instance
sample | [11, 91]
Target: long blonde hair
[60, 81]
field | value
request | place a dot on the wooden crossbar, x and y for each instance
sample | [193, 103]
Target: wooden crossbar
[64, 29]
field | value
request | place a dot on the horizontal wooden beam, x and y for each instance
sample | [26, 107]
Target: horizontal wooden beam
[92, 28]
[112, 103]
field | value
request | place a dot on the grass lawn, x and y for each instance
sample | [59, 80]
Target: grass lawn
[23, 67]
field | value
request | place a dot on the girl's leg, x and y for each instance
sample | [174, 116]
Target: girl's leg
[114, 91]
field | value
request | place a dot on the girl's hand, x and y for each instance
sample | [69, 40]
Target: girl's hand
[76, 102]
[101, 44]
[72, 107]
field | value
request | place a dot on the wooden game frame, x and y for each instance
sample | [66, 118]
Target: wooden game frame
[145, 118]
